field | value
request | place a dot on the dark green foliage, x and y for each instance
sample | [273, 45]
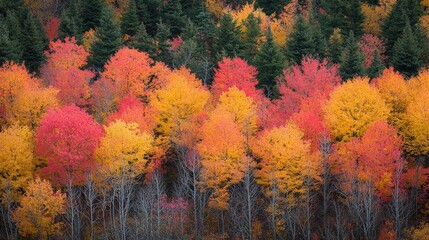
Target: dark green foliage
[269, 62]
[10, 5]
[392, 27]
[91, 12]
[227, 41]
[345, 15]
[352, 63]
[142, 41]
[270, 6]
[70, 22]
[251, 38]
[406, 56]
[33, 43]
[9, 49]
[207, 28]
[149, 13]
[173, 16]
[305, 40]
[335, 48]
[162, 46]
[130, 21]
[191, 8]
[15, 33]
[107, 43]
[376, 67]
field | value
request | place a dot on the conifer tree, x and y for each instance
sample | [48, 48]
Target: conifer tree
[300, 42]
[269, 62]
[352, 62]
[377, 66]
[335, 49]
[149, 12]
[32, 43]
[130, 20]
[406, 56]
[70, 22]
[15, 36]
[143, 42]
[227, 41]
[173, 16]
[107, 43]
[251, 38]
[91, 13]
[270, 6]
[9, 50]
[162, 46]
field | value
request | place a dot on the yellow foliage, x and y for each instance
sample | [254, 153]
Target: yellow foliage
[243, 13]
[40, 206]
[353, 107]
[222, 150]
[215, 7]
[242, 108]
[16, 157]
[88, 38]
[375, 15]
[419, 233]
[124, 148]
[281, 27]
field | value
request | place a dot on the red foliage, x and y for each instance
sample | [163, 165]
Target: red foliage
[368, 44]
[236, 72]
[67, 138]
[175, 43]
[51, 28]
[104, 97]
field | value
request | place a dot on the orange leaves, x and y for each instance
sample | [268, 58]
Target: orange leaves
[40, 206]
[353, 107]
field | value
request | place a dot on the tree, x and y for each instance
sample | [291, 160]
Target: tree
[91, 13]
[123, 150]
[173, 16]
[142, 41]
[251, 37]
[70, 22]
[227, 41]
[62, 70]
[108, 40]
[352, 108]
[269, 62]
[15, 30]
[16, 155]
[9, 49]
[67, 138]
[235, 72]
[335, 46]
[346, 16]
[40, 207]
[222, 150]
[33, 44]
[271, 7]
[368, 44]
[406, 53]
[130, 21]
[162, 37]
[300, 42]
[352, 61]
[377, 65]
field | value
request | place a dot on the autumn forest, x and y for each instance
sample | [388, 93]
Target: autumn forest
[214, 119]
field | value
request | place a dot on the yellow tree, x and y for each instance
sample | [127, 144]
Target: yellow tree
[222, 150]
[176, 104]
[353, 107]
[284, 166]
[124, 148]
[375, 15]
[40, 206]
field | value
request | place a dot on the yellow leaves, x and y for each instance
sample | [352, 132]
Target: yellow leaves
[375, 15]
[353, 107]
[88, 38]
[16, 157]
[222, 150]
[243, 13]
[242, 108]
[285, 160]
[39, 208]
[215, 7]
[124, 148]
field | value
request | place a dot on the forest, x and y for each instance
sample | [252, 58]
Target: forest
[214, 119]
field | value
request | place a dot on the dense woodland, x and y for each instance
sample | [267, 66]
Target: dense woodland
[215, 119]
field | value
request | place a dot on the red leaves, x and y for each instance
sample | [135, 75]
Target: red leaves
[368, 44]
[67, 138]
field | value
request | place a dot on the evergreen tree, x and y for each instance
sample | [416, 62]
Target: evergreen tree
[207, 29]
[227, 42]
[345, 15]
[143, 42]
[70, 22]
[9, 50]
[352, 63]
[269, 62]
[173, 16]
[270, 6]
[91, 13]
[149, 12]
[376, 67]
[107, 43]
[251, 38]
[300, 42]
[406, 56]
[15, 36]
[10, 5]
[318, 40]
[335, 46]
[191, 8]
[162, 45]
[393, 25]
[130, 20]
[32, 44]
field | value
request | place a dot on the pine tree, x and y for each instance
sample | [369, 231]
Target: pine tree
[270, 6]
[130, 20]
[70, 22]
[143, 42]
[207, 29]
[269, 62]
[352, 63]
[173, 16]
[335, 46]
[149, 12]
[300, 42]
[355, 18]
[406, 56]
[318, 40]
[32, 43]
[91, 13]
[376, 67]
[162, 46]
[14, 34]
[227, 41]
[345, 15]
[10, 5]
[9, 50]
[251, 38]
[107, 43]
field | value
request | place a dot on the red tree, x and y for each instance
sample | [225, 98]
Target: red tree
[368, 44]
[67, 138]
